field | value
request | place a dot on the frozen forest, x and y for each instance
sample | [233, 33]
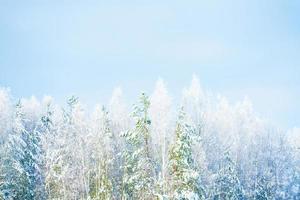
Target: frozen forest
[201, 147]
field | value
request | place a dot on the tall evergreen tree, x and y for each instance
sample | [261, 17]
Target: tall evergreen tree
[138, 178]
[184, 177]
[23, 161]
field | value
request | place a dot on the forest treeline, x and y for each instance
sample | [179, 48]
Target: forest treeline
[204, 148]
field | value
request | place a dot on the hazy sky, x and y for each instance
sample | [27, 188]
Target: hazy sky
[237, 48]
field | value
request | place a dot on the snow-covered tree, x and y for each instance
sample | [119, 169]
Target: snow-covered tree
[75, 152]
[48, 140]
[50, 152]
[227, 185]
[23, 160]
[118, 111]
[6, 115]
[293, 183]
[160, 113]
[138, 167]
[196, 105]
[195, 102]
[184, 177]
[119, 122]
[6, 118]
[102, 155]
[263, 189]
[68, 166]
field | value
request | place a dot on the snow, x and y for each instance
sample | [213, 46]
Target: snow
[208, 148]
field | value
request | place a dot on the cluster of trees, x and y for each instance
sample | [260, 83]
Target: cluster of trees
[204, 149]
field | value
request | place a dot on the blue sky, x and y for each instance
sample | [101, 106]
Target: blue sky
[237, 48]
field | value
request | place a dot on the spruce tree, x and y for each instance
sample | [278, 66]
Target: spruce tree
[184, 177]
[23, 161]
[13, 172]
[138, 178]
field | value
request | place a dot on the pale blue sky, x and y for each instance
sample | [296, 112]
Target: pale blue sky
[87, 48]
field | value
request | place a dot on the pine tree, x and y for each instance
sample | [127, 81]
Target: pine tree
[138, 178]
[184, 177]
[13, 173]
[227, 185]
[23, 163]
